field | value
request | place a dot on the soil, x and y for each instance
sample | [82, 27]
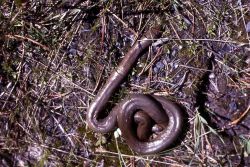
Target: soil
[55, 56]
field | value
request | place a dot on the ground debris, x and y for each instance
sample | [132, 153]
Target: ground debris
[56, 55]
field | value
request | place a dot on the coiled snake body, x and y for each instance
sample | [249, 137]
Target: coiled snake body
[137, 113]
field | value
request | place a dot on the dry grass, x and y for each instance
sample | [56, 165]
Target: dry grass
[55, 56]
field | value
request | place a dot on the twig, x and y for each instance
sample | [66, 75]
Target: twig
[98, 80]
[152, 61]
[28, 39]
[241, 117]
[125, 24]
[64, 132]
[200, 39]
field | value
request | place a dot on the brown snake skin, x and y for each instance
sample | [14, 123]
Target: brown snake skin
[138, 115]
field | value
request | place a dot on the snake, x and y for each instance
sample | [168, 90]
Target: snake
[148, 123]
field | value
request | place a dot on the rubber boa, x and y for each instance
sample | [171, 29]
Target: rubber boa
[137, 115]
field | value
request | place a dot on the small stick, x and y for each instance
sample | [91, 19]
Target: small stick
[241, 117]
[28, 39]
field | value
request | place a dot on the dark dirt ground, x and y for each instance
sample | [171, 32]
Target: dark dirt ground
[56, 55]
